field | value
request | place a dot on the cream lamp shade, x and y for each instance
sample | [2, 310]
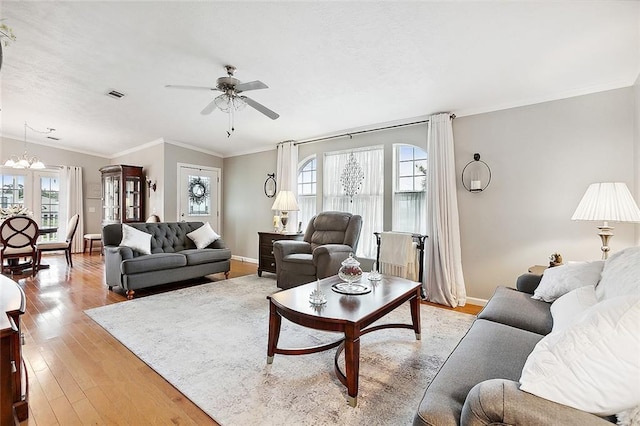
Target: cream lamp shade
[608, 202]
[285, 202]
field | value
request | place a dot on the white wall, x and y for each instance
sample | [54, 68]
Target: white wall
[542, 158]
[636, 90]
[152, 159]
[247, 210]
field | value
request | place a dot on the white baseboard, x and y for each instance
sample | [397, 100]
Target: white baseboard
[244, 259]
[476, 301]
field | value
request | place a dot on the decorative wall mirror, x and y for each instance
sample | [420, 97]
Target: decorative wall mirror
[270, 185]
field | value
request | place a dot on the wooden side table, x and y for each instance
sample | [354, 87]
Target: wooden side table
[266, 261]
[537, 269]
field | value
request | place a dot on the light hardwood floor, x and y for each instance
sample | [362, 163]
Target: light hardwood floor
[80, 374]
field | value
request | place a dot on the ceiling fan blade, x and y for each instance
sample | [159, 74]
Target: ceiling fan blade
[250, 85]
[261, 108]
[209, 108]
[175, 86]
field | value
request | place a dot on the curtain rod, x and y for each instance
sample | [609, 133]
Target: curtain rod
[350, 134]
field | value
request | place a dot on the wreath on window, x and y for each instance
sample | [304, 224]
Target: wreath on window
[197, 190]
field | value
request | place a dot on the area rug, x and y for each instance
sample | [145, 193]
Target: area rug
[210, 342]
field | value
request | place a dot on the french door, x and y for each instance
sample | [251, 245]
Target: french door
[38, 191]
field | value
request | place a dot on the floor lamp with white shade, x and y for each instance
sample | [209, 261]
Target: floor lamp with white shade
[607, 202]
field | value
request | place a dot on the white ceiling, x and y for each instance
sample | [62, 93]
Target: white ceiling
[330, 66]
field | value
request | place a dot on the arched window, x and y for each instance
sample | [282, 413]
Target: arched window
[307, 179]
[409, 189]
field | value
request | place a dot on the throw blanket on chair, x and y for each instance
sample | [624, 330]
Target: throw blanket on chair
[398, 255]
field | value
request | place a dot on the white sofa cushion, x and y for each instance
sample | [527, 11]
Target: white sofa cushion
[135, 239]
[560, 280]
[567, 308]
[620, 275]
[203, 236]
[592, 365]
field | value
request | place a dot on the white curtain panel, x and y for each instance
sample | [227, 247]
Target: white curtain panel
[444, 279]
[307, 204]
[287, 175]
[72, 200]
[368, 203]
[410, 212]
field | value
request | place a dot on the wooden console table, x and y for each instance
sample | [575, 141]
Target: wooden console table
[13, 374]
[266, 260]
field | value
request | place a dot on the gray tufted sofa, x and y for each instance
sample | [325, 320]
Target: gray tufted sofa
[174, 257]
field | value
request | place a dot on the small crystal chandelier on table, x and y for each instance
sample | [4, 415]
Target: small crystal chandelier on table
[25, 161]
[352, 177]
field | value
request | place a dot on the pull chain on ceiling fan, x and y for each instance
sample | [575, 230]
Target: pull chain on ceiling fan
[230, 100]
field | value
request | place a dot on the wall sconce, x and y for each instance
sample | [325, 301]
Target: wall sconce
[151, 185]
[476, 175]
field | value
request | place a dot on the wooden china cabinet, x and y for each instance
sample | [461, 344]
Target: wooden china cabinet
[123, 199]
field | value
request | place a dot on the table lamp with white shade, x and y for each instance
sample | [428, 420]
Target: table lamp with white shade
[285, 202]
[607, 202]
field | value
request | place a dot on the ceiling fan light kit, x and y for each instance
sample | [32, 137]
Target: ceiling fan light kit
[230, 100]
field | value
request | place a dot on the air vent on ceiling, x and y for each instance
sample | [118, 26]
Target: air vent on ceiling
[115, 94]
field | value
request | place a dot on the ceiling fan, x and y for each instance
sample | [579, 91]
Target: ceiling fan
[231, 100]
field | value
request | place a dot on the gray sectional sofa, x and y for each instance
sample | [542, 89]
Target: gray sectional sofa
[478, 384]
[174, 257]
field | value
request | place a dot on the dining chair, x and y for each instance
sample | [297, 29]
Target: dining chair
[18, 236]
[65, 245]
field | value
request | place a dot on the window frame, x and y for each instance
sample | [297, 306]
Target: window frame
[419, 225]
[307, 202]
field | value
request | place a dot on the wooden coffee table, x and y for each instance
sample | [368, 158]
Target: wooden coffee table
[348, 314]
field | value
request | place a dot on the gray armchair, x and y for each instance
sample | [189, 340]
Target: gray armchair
[329, 239]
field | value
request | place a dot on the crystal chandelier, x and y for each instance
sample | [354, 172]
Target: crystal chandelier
[25, 161]
[351, 177]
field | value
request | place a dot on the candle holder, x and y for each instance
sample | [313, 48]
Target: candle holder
[317, 297]
[476, 175]
[375, 275]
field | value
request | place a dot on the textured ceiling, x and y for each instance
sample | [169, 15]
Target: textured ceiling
[330, 66]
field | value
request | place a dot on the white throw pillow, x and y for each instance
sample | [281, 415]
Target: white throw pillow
[620, 275]
[567, 308]
[135, 239]
[560, 280]
[592, 365]
[203, 236]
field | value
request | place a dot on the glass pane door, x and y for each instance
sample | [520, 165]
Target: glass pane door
[133, 211]
[111, 198]
[49, 207]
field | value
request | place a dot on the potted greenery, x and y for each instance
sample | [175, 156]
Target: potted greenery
[6, 33]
